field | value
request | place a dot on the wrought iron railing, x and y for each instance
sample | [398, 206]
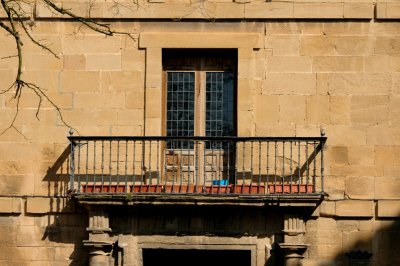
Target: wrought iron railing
[197, 165]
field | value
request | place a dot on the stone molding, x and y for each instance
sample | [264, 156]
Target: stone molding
[200, 40]
[237, 9]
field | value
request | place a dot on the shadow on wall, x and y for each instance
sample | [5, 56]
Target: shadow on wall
[66, 220]
[381, 246]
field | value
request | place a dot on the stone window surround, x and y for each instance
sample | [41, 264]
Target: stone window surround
[154, 42]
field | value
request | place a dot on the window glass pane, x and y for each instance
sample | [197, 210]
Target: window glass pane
[219, 104]
[180, 107]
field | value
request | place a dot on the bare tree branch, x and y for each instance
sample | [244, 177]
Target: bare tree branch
[17, 23]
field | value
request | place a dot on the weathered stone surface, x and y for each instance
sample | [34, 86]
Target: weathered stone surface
[388, 208]
[354, 208]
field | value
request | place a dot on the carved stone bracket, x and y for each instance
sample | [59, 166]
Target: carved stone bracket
[100, 244]
[293, 246]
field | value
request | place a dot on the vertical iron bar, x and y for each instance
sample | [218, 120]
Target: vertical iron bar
[283, 167]
[150, 173]
[117, 166]
[275, 166]
[72, 167]
[267, 178]
[79, 165]
[315, 166]
[94, 163]
[180, 165]
[299, 181]
[110, 167]
[87, 164]
[133, 166]
[142, 165]
[236, 168]
[291, 167]
[126, 166]
[259, 167]
[102, 165]
[307, 167]
[322, 164]
[158, 162]
[196, 165]
[228, 170]
[243, 168]
[251, 166]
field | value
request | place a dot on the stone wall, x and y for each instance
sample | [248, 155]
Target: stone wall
[302, 66]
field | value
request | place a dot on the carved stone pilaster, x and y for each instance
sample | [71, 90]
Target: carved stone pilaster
[100, 245]
[293, 246]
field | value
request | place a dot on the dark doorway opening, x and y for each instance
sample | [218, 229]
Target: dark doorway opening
[195, 257]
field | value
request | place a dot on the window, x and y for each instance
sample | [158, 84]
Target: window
[200, 92]
[200, 100]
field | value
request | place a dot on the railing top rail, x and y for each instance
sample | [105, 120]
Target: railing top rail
[202, 138]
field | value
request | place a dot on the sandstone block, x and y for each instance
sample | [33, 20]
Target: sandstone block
[337, 64]
[358, 240]
[388, 208]
[354, 83]
[388, 10]
[6, 205]
[289, 83]
[318, 109]
[354, 208]
[275, 130]
[317, 45]
[340, 109]
[394, 110]
[127, 130]
[79, 81]
[387, 187]
[292, 109]
[337, 154]
[246, 89]
[13, 185]
[134, 100]
[266, 109]
[153, 103]
[361, 155]
[130, 117]
[327, 208]
[269, 10]
[387, 45]
[360, 187]
[369, 109]
[91, 117]
[126, 81]
[343, 135]
[283, 45]
[48, 205]
[387, 155]
[42, 62]
[74, 44]
[96, 100]
[354, 45]
[103, 61]
[203, 40]
[318, 10]
[289, 64]
[10, 205]
[358, 10]
[383, 135]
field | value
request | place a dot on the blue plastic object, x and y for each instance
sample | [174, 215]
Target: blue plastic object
[220, 182]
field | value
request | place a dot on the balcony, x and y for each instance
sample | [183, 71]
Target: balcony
[217, 169]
